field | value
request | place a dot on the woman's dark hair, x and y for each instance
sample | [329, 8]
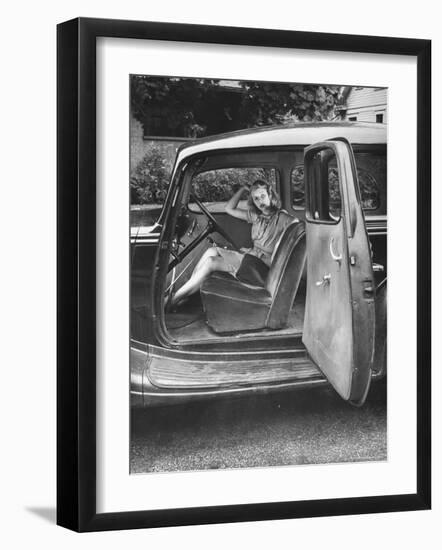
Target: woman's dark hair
[275, 201]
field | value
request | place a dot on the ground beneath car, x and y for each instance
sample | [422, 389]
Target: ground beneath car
[312, 426]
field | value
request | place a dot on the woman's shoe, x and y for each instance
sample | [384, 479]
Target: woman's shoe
[170, 305]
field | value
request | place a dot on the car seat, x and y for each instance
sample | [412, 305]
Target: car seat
[231, 305]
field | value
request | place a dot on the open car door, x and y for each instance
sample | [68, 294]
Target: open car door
[339, 324]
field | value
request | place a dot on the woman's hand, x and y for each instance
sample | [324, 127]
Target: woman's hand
[243, 187]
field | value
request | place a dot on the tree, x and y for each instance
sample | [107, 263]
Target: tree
[189, 105]
[248, 105]
[178, 96]
[278, 103]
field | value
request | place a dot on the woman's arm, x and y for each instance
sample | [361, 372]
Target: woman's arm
[232, 205]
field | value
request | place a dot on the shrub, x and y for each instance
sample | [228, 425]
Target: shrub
[219, 185]
[149, 180]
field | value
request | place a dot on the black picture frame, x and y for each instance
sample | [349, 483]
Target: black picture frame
[76, 273]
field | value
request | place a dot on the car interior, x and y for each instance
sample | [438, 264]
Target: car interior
[226, 308]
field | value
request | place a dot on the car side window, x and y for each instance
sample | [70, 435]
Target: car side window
[215, 187]
[371, 169]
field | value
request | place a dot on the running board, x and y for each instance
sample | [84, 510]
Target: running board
[193, 370]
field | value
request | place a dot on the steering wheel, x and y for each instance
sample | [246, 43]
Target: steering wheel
[212, 221]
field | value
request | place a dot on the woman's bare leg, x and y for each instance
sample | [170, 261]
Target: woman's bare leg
[202, 271]
[210, 252]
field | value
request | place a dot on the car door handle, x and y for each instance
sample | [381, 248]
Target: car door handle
[336, 257]
[325, 280]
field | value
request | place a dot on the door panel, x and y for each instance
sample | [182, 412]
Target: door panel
[339, 321]
[327, 330]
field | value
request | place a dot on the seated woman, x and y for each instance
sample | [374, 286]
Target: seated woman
[268, 221]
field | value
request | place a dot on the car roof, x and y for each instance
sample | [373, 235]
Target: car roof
[302, 133]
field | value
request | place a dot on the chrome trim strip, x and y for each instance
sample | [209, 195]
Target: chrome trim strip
[191, 354]
[242, 389]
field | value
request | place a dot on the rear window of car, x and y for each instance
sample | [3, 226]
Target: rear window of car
[372, 176]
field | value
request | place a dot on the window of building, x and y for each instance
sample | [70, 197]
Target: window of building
[380, 117]
[352, 118]
[158, 125]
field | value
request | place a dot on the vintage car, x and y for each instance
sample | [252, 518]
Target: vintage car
[320, 317]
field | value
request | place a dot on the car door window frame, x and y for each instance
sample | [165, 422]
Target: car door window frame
[310, 176]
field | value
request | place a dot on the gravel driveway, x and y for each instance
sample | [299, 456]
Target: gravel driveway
[304, 427]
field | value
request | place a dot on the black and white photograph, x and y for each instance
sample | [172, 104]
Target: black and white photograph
[201, 203]
[258, 273]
